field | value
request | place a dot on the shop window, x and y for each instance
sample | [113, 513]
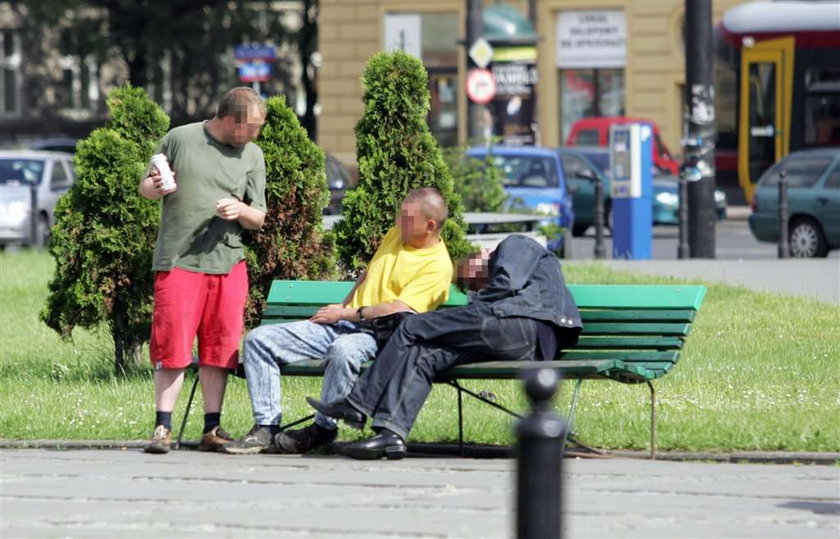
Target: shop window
[589, 92]
[432, 37]
[10, 59]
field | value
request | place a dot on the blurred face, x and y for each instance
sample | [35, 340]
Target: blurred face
[414, 226]
[474, 272]
[242, 132]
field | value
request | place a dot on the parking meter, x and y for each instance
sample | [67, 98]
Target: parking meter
[631, 162]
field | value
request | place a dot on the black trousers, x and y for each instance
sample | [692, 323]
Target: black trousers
[394, 389]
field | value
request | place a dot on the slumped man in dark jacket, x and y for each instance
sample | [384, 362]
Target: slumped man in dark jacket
[523, 311]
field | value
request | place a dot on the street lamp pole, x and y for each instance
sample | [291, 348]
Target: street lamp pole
[699, 143]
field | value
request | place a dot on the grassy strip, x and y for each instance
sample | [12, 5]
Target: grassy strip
[760, 372]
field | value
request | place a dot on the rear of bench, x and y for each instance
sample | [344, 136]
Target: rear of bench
[631, 334]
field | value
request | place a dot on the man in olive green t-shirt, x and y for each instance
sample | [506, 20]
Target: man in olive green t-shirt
[201, 282]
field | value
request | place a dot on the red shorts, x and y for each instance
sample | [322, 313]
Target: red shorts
[209, 306]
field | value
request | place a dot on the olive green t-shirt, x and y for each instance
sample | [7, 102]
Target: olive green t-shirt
[191, 235]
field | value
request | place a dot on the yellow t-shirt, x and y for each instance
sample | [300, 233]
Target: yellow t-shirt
[418, 277]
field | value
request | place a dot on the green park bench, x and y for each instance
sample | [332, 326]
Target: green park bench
[632, 334]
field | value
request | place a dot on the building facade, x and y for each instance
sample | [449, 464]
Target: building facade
[594, 58]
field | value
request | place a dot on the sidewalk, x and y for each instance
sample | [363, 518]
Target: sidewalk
[127, 494]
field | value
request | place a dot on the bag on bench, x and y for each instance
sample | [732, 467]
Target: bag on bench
[381, 328]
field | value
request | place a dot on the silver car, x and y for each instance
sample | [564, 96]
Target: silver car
[27, 176]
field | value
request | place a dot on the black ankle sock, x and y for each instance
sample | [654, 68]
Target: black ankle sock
[212, 420]
[273, 429]
[163, 418]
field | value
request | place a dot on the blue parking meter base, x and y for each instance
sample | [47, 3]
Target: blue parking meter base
[632, 237]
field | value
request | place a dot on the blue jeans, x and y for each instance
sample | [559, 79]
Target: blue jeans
[394, 389]
[268, 348]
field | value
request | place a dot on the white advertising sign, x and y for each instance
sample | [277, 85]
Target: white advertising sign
[591, 39]
[402, 32]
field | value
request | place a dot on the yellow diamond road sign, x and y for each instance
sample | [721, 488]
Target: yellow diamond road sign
[481, 52]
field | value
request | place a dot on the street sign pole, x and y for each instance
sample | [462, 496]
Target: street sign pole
[699, 143]
[475, 27]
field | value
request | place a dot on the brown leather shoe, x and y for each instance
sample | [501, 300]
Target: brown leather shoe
[160, 441]
[213, 440]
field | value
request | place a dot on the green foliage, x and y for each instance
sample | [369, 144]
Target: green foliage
[477, 181]
[105, 231]
[396, 153]
[290, 245]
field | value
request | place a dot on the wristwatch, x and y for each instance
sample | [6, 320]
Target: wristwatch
[360, 313]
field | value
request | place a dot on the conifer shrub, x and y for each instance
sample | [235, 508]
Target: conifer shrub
[105, 232]
[291, 244]
[396, 153]
[477, 181]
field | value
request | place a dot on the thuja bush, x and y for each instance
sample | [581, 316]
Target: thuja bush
[291, 243]
[477, 181]
[105, 231]
[396, 153]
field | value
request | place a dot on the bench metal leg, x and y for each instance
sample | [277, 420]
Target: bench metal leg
[461, 389]
[186, 413]
[460, 422]
[571, 417]
[652, 421]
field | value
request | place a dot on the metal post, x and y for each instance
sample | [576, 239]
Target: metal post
[539, 460]
[784, 240]
[700, 126]
[600, 250]
[475, 28]
[33, 214]
[682, 246]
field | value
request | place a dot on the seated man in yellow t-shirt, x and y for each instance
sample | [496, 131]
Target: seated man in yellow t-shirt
[411, 271]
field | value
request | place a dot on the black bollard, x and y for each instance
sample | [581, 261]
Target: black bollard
[682, 246]
[784, 240]
[33, 214]
[600, 250]
[539, 460]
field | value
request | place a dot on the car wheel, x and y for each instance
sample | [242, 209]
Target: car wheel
[806, 239]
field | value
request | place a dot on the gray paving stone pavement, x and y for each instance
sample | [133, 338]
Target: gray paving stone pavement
[126, 494]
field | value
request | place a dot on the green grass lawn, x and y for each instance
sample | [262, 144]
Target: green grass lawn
[759, 372]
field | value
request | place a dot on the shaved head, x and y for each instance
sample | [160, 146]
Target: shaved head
[431, 204]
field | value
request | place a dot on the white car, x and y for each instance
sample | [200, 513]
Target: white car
[25, 176]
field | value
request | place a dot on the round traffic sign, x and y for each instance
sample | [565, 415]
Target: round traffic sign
[481, 86]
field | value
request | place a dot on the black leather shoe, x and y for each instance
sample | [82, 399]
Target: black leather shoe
[389, 445]
[339, 410]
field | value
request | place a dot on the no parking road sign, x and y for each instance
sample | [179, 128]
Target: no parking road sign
[481, 86]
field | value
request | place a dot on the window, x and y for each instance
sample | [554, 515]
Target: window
[833, 181]
[587, 137]
[822, 107]
[79, 89]
[802, 171]
[59, 180]
[10, 59]
[432, 37]
[589, 92]
[520, 171]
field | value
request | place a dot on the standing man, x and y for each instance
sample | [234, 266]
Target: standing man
[522, 312]
[411, 271]
[201, 281]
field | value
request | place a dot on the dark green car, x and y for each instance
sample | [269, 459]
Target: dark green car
[813, 178]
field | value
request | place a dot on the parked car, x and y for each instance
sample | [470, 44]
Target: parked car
[583, 164]
[47, 176]
[813, 178]
[54, 144]
[596, 132]
[534, 177]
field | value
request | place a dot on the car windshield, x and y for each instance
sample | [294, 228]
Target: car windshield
[20, 171]
[526, 170]
[802, 170]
